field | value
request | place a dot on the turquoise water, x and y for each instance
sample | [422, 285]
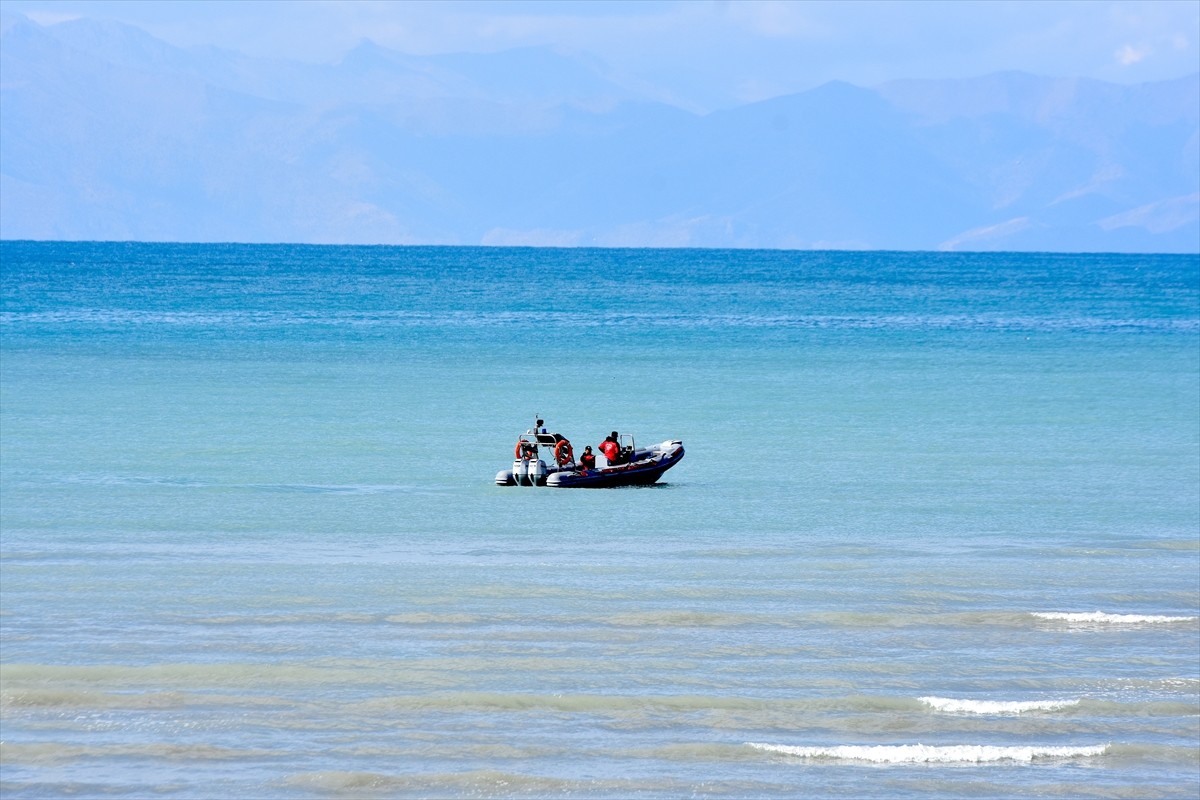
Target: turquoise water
[937, 533]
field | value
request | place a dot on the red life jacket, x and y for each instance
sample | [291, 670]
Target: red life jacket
[610, 449]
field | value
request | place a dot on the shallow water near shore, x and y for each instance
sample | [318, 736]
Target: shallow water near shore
[937, 532]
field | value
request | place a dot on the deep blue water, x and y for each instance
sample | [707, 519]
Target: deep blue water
[937, 533]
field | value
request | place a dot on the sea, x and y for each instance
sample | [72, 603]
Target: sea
[936, 534]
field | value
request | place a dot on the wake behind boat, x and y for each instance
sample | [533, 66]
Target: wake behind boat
[625, 464]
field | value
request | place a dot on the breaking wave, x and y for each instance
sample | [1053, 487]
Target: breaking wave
[934, 754]
[951, 705]
[1102, 618]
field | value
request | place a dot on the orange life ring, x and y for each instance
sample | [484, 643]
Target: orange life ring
[525, 449]
[563, 453]
[517, 452]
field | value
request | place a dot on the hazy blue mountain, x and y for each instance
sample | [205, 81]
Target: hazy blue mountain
[1055, 159]
[109, 133]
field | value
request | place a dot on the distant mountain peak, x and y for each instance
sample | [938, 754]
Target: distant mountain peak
[368, 51]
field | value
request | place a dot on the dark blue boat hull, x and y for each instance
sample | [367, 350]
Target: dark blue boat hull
[637, 473]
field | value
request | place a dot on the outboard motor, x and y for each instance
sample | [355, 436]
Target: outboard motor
[537, 471]
[519, 471]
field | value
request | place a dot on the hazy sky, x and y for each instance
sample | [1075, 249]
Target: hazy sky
[703, 53]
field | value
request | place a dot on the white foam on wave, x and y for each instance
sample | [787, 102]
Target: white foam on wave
[1100, 617]
[934, 754]
[950, 705]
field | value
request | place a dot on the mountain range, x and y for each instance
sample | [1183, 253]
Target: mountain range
[108, 133]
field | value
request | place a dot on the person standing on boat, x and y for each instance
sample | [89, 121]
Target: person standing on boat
[588, 459]
[611, 449]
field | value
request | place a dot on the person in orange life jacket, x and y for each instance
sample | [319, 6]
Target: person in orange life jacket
[610, 448]
[588, 459]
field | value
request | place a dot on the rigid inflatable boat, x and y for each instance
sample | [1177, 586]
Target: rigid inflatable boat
[632, 466]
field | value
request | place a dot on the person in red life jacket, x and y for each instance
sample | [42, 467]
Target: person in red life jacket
[588, 459]
[610, 449]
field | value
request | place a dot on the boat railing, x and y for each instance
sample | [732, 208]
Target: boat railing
[550, 441]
